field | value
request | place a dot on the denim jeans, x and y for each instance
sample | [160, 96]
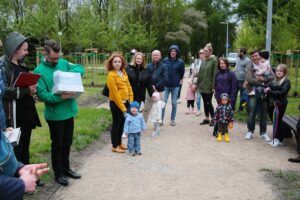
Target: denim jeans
[198, 100]
[257, 104]
[134, 142]
[174, 94]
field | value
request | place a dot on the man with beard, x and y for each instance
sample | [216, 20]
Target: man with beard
[240, 68]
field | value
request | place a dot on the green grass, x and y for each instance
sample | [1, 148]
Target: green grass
[286, 184]
[292, 78]
[97, 77]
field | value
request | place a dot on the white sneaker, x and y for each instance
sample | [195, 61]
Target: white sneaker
[275, 143]
[248, 135]
[153, 134]
[265, 137]
[198, 113]
[124, 135]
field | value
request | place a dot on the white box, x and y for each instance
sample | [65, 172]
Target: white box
[67, 82]
[13, 136]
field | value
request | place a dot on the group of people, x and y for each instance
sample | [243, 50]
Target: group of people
[17, 175]
[262, 90]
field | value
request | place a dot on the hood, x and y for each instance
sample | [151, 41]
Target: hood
[174, 47]
[211, 57]
[12, 42]
[43, 60]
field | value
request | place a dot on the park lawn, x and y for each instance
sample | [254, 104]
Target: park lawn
[90, 123]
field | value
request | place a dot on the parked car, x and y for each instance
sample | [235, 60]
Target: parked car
[232, 57]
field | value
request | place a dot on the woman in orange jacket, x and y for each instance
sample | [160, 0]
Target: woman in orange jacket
[120, 96]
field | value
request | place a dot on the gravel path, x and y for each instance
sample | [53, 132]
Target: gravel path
[184, 163]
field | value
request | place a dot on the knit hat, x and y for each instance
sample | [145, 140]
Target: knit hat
[224, 95]
[134, 104]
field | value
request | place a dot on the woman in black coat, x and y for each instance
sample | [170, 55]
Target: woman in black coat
[279, 91]
[139, 77]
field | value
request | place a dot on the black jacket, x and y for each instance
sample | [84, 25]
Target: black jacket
[159, 75]
[26, 114]
[139, 79]
[279, 93]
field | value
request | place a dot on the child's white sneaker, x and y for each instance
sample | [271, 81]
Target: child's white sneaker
[124, 135]
[187, 112]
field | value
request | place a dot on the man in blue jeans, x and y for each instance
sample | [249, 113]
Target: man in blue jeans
[240, 68]
[175, 68]
[258, 101]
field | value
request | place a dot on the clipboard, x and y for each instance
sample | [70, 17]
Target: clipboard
[26, 79]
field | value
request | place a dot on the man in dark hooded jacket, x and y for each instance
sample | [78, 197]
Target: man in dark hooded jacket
[175, 68]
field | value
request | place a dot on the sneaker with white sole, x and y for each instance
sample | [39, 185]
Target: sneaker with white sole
[173, 123]
[248, 135]
[124, 135]
[275, 143]
[265, 137]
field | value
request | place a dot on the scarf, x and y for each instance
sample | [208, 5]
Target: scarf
[280, 81]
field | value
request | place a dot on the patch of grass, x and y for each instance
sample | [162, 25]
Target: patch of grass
[98, 77]
[286, 184]
[265, 170]
[288, 176]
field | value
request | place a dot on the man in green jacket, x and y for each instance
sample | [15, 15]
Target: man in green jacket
[60, 110]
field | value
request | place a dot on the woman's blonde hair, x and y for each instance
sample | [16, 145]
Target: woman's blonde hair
[134, 57]
[284, 68]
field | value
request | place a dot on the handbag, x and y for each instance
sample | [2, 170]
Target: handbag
[105, 91]
[8, 161]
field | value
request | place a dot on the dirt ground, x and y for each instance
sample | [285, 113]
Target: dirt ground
[184, 162]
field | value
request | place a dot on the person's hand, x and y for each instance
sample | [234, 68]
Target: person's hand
[29, 181]
[67, 95]
[261, 78]
[213, 90]
[32, 89]
[267, 89]
[36, 169]
[9, 129]
[230, 126]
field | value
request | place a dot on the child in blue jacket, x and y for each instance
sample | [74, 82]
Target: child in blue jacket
[134, 125]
